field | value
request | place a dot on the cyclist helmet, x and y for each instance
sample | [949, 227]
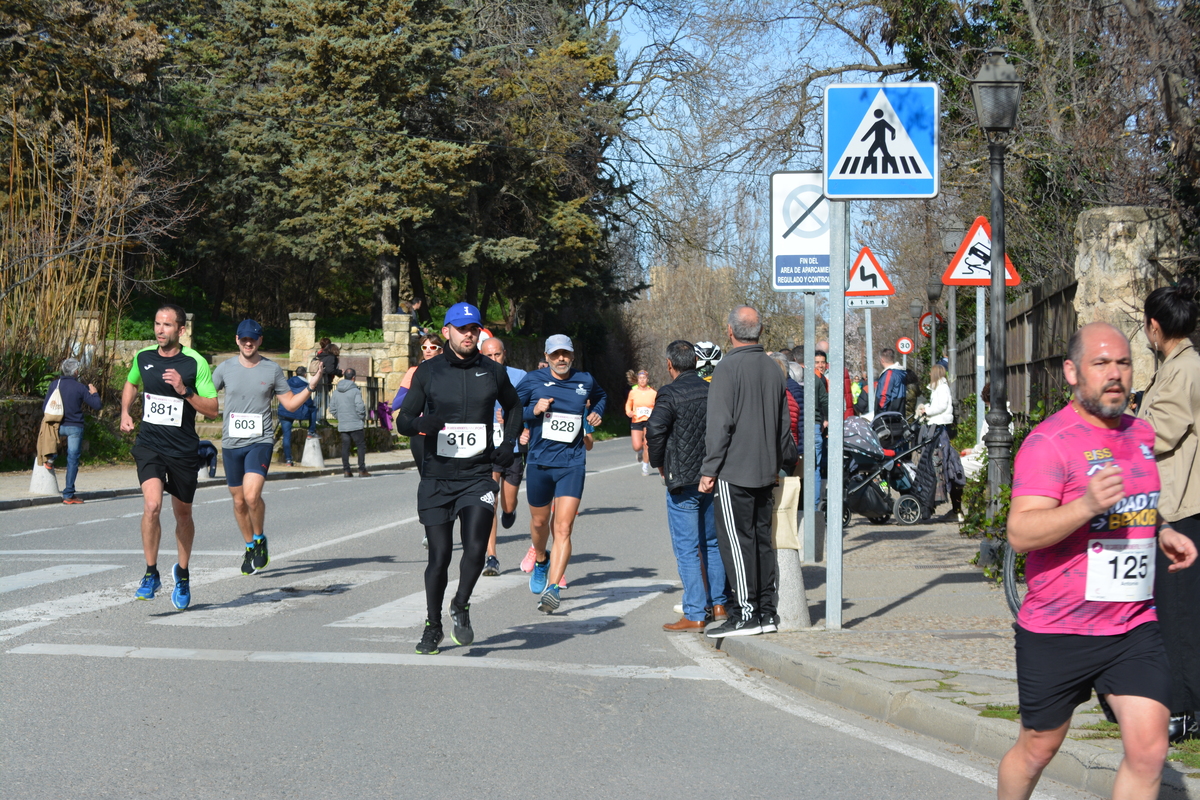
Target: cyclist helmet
[708, 355]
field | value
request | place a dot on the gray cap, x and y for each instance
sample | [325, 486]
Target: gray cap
[559, 341]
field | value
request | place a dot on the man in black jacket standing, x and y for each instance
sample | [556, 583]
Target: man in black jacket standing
[452, 401]
[748, 438]
[675, 438]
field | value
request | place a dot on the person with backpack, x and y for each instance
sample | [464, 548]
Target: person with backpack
[65, 400]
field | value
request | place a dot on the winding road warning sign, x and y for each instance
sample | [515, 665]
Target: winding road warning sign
[972, 264]
[867, 278]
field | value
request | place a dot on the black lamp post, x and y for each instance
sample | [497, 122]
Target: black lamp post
[951, 239]
[997, 94]
[934, 290]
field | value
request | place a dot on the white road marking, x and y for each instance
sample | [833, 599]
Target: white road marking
[61, 572]
[410, 612]
[43, 614]
[619, 671]
[291, 488]
[35, 530]
[597, 607]
[220, 553]
[218, 500]
[134, 514]
[725, 671]
[268, 602]
[90, 521]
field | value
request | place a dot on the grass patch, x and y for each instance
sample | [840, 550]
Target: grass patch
[612, 427]
[993, 711]
[1187, 753]
[1100, 730]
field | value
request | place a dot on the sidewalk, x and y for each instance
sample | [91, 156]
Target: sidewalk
[927, 645]
[94, 483]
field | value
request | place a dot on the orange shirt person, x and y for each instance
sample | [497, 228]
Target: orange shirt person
[638, 406]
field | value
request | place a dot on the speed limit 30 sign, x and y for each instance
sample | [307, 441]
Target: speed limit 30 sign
[904, 345]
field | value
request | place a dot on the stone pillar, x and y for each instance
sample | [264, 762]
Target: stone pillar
[1121, 255]
[303, 338]
[185, 335]
[396, 343]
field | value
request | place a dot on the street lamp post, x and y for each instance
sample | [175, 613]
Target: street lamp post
[914, 309]
[934, 290]
[950, 242]
[997, 94]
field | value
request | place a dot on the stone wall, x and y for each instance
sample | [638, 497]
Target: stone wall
[20, 420]
[1122, 254]
[389, 359]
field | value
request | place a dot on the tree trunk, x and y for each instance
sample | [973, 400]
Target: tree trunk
[385, 282]
[486, 297]
[418, 286]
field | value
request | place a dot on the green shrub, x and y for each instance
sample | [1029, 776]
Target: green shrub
[26, 374]
[106, 444]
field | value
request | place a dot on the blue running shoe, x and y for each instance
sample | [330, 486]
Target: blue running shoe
[151, 583]
[182, 594]
[537, 578]
[549, 599]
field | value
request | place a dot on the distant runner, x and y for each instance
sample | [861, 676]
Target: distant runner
[510, 478]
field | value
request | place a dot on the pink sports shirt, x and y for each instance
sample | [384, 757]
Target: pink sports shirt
[1057, 460]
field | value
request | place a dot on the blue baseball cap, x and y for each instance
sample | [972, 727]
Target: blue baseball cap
[249, 329]
[461, 314]
[559, 341]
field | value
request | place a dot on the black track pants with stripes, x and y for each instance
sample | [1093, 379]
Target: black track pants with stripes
[744, 536]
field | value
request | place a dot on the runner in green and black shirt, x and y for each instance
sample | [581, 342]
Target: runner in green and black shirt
[175, 383]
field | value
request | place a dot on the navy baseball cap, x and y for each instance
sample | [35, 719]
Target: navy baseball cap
[249, 329]
[461, 314]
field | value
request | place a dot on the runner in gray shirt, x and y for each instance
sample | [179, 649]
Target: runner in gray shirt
[250, 381]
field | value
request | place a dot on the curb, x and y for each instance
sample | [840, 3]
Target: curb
[1077, 764]
[104, 494]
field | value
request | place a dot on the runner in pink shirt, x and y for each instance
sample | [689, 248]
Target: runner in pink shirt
[1085, 508]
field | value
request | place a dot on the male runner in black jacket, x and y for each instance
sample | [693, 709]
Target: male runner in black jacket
[452, 401]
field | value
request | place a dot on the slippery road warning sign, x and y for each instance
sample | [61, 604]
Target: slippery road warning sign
[867, 278]
[972, 264]
[881, 141]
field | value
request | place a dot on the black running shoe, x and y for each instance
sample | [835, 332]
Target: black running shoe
[261, 557]
[461, 633]
[507, 518]
[248, 562]
[491, 566]
[733, 627]
[769, 623]
[428, 646]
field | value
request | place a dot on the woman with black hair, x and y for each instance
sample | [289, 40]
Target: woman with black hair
[1171, 405]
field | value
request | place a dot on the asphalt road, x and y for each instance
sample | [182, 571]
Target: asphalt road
[301, 681]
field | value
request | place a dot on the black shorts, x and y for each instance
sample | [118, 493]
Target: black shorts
[637, 426]
[1057, 671]
[514, 473]
[179, 474]
[438, 501]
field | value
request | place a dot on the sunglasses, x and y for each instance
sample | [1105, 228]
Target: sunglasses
[430, 347]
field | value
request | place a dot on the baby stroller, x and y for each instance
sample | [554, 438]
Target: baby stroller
[878, 480]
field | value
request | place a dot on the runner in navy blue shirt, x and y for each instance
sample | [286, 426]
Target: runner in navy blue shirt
[556, 401]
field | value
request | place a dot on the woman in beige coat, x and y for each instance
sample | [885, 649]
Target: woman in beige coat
[1171, 404]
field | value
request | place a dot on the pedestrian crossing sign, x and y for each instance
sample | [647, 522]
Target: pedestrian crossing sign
[867, 278]
[881, 141]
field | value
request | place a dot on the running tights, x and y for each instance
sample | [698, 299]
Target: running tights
[476, 527]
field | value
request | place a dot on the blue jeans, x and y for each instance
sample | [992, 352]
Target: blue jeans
[286, 424]
[74, 434]
[691, 520]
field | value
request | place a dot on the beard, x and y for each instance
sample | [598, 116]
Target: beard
[1093, 402]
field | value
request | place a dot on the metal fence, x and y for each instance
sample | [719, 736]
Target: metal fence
[1040, 322]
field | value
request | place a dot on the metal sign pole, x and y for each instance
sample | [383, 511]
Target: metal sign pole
[839, 264]
[870, 387]
[980, 360]
[807, 426]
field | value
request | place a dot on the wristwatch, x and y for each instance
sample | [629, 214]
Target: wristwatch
[187, 392]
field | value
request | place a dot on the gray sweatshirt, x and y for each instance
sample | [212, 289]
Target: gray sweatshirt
[347, 406]
[748, 431]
